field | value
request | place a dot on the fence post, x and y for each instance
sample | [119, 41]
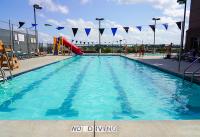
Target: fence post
[27, 41]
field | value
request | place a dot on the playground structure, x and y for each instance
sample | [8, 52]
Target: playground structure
[63, 42]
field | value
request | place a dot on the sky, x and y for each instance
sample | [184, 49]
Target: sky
[82, 13]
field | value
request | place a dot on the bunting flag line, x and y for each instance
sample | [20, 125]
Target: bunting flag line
[74, 30]
[152, 27]
[60, 28]
[48, 25]
[34, 25]
[179, 24]
[21, 24]
[114, 30]
[139, 28]
[101, 30]
[166, 26]
[126, 29]
[87, 31]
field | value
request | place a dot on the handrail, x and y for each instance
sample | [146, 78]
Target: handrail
[3, 74]
[191, 64]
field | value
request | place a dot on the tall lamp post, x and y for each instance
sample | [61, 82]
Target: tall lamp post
[154, 40]
[36, 7]
[99, 20]
[182, 33]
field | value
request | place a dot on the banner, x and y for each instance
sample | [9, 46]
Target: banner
[126, 29]
[139, 28]
[179, 24]
[60, 28]
[21, 24]
[75, 30]
[87, 31]
[166, 26]
[114, 30]
[101, 30]
[153, 27]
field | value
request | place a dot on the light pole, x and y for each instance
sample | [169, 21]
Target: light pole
[154, 40]
[36, 6]
[182, 32]
[99, 20]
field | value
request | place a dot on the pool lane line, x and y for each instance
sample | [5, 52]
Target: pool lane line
[4, 107]
[122, 97]
[65, 109]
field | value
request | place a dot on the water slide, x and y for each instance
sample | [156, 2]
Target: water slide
[71, 46]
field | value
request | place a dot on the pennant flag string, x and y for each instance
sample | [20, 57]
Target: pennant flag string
[139, 28]
[179, 24]
[166, 26]
[126, 29]
[153, 27]
[74, 30]
[21, 24]
[60, 28]
[114, 30]
[101, 30]
[34, 25]
[48, 25]
[87, 31]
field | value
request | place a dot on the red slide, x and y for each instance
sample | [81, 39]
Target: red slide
[74, 48]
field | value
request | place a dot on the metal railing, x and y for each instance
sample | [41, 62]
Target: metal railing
[3, 75]
[192, 73]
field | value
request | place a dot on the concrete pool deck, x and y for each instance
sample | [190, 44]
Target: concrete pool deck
[34, 63]
[124, 128]
[121, 129]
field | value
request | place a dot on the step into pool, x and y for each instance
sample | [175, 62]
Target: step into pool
[98, 88]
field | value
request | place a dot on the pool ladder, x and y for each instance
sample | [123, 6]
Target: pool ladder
[195, 73]
[3, 75]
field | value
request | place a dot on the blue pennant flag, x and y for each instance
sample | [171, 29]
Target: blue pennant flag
[60, 28]
[34, 25]
[139, 28]
[166, 26]
[87, 31]
[114, 30]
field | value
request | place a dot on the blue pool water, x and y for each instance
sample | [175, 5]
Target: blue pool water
[98, 88]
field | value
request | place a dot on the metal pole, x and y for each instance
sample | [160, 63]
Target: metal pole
[182, 38]
[36, 34]
[154, 51]
[12, 35]
[27, 41]
[99, 37]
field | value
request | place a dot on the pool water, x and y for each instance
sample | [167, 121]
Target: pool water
[98, 88]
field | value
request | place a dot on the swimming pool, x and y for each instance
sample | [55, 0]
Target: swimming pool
[98, 88]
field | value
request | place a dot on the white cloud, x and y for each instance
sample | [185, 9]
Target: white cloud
[168, 7]
[50, 5]
[84, 1]
[45, 38]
